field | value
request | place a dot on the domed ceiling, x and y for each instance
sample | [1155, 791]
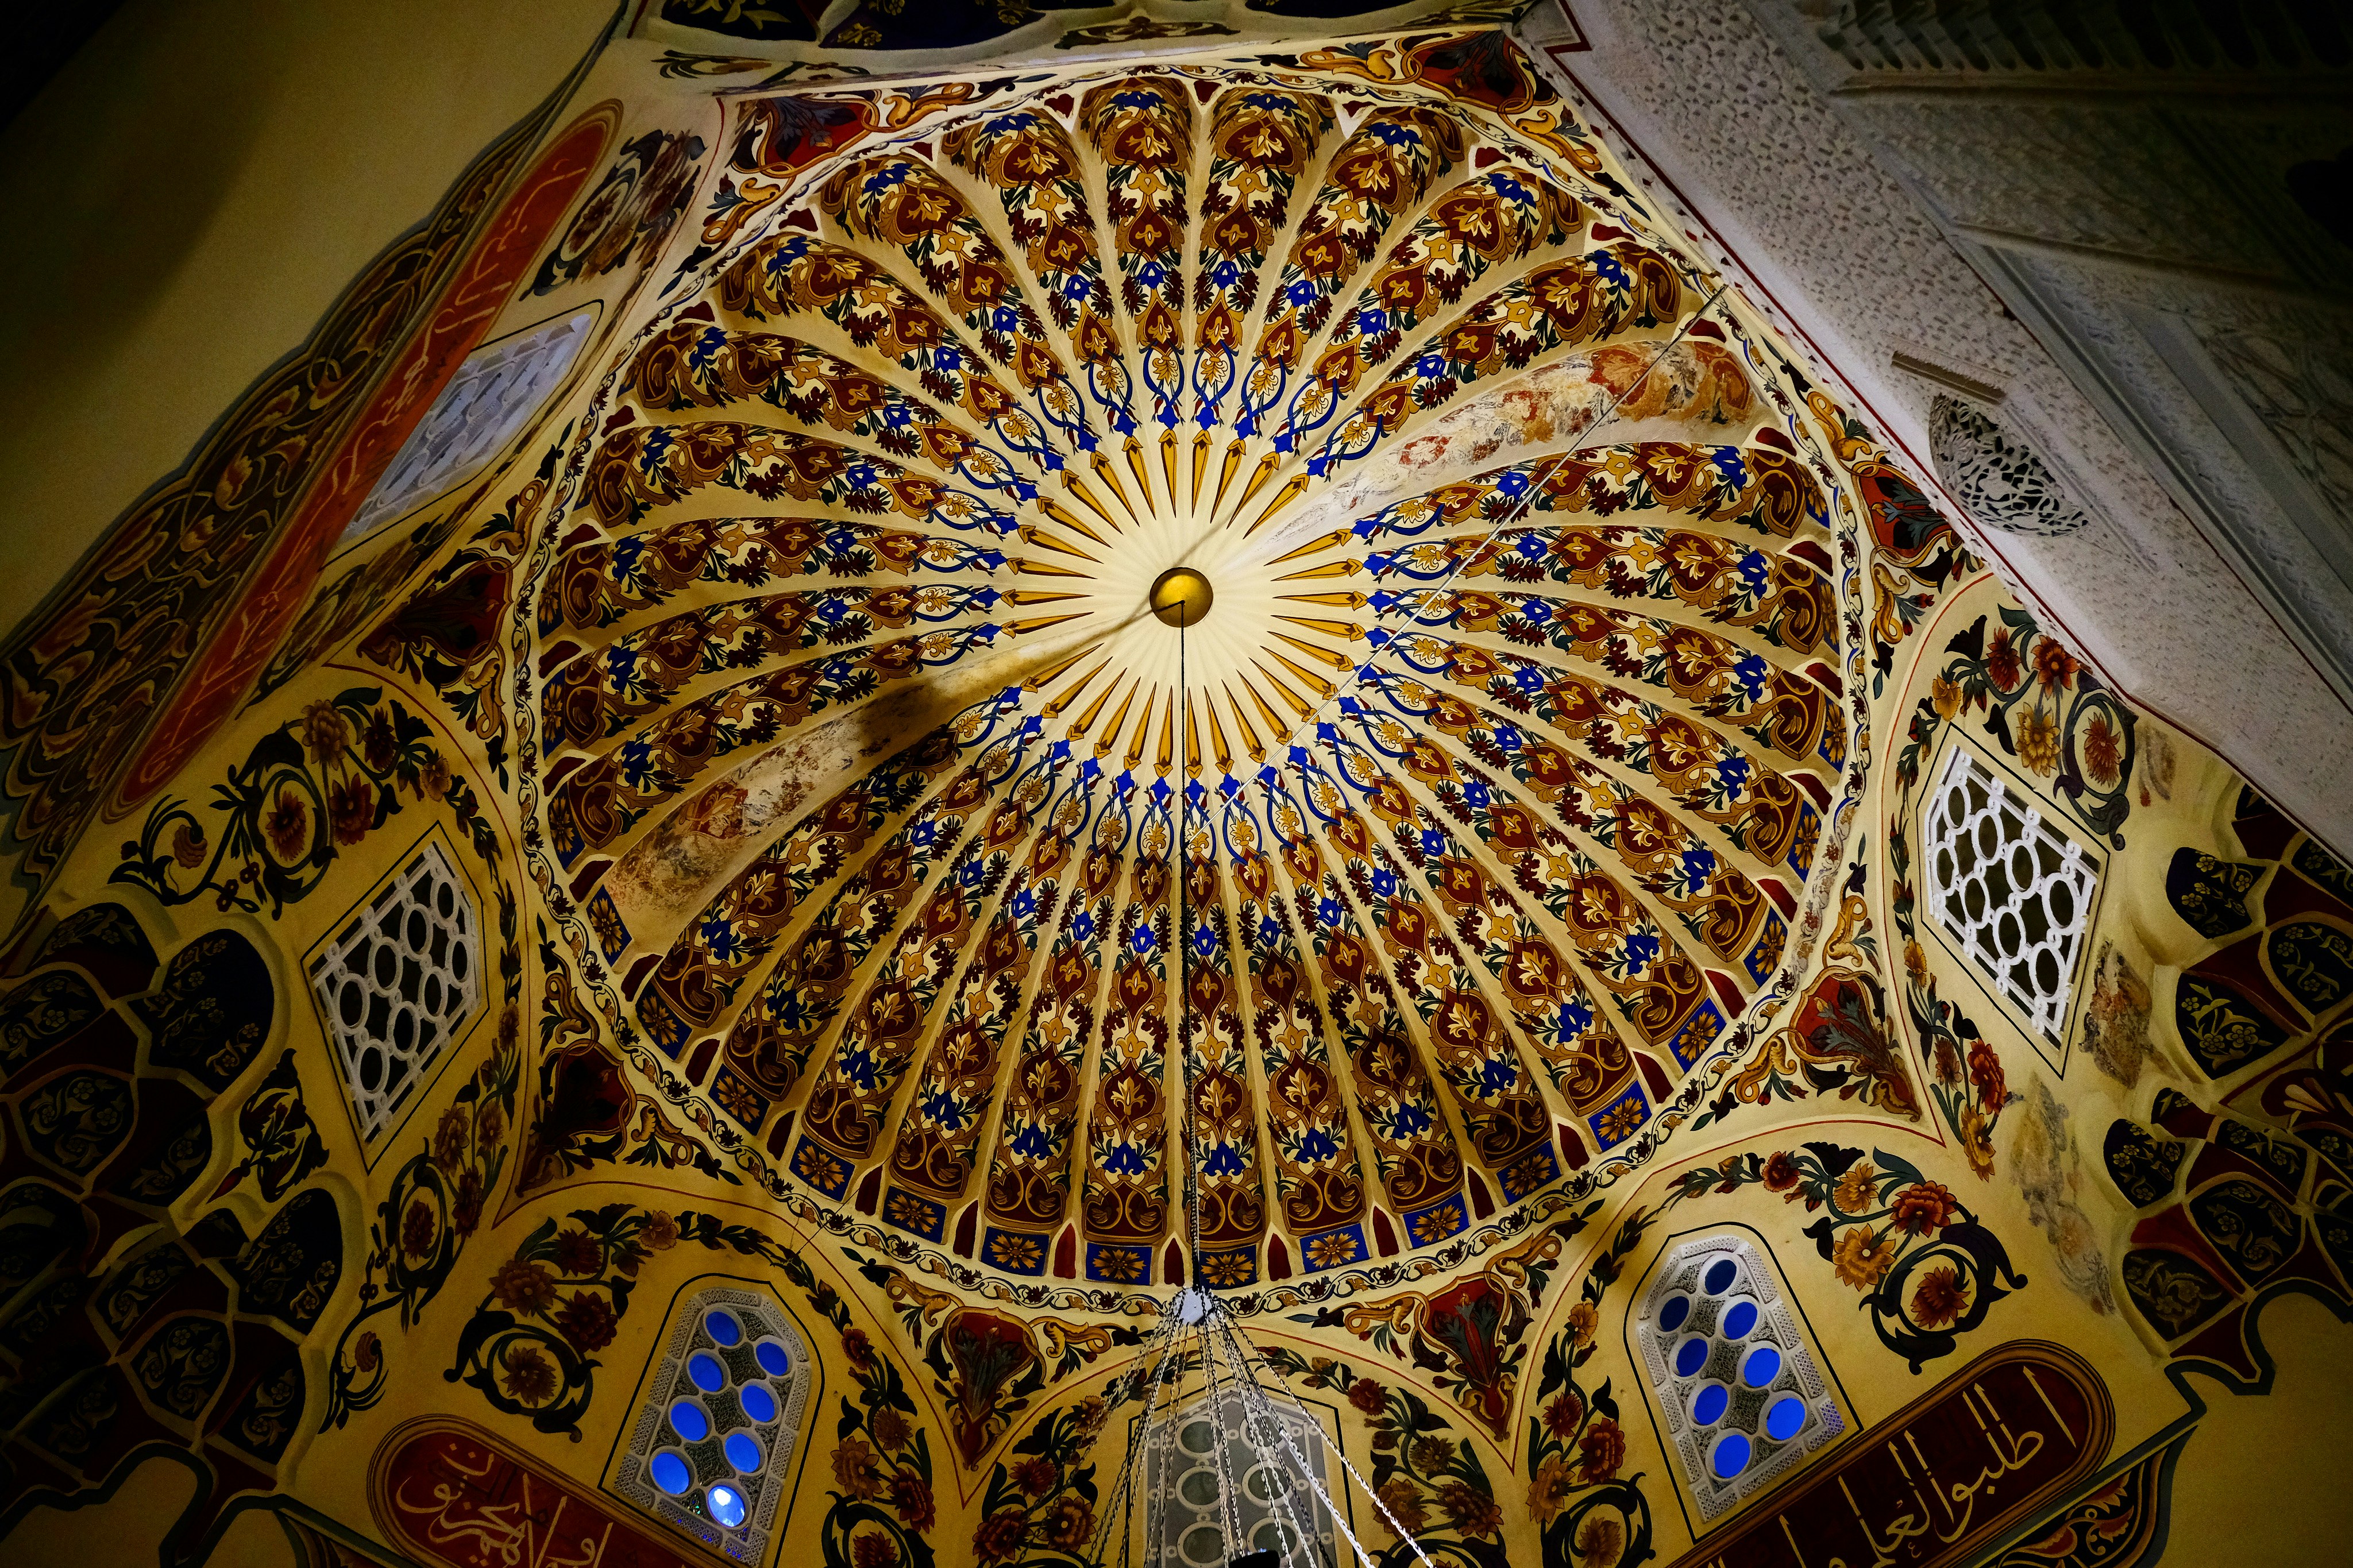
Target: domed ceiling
[1416, 883]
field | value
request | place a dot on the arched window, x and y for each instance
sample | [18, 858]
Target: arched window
[2010, 889]
[1991, 471]
[713, 1441]
[1734, 1378]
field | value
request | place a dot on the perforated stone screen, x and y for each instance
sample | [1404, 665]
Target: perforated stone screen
[2012, 892]
[399, 983]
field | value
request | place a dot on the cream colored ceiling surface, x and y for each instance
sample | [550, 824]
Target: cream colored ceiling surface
[1481, 805]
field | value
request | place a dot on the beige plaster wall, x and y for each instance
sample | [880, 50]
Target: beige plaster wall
[187, 198]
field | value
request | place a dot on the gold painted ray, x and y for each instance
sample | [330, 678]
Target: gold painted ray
[1039, 623]
[1166, 755]
[1339, 661]
[1348, 601]
[1028, 568]
[1169, 462]
[1251, 742]
[1053, 671]
[1200, 466]
[1290, 491]
[1259, 476]
[1087, 719]
[1314, 682]
[1063, 517]
[1337, 536]
[1275, 725]
[1072, 693]
[1033, 535]
[1297, 704]
[1133, 451]
[1110, 476]
[1218, 743]
[1347, 568]
[1077, 487]
[1339, 631]
[1225, 472]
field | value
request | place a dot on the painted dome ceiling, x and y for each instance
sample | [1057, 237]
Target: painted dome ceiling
[1470, 821]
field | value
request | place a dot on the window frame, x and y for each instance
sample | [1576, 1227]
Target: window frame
[1804, 1372]
[629, 1476]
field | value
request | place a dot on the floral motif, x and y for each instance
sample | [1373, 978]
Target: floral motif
[1886, 1231]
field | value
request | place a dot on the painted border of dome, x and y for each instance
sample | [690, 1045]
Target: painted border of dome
[1054, 31]
[1542, 133]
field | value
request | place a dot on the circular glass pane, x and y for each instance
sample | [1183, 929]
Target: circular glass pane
[1199, 1437]
[1265, 1483]
[723, 1327]
[1720, 1274]
[774, 1359]
[1204, 1545]
[1671, 1315]
[1731, 1456]
[741, 1452]
[726, 1506]
[1274, 1535]
[1198, 1488]
[1763, 1365]
[704, 1368]
[758, 1403]
[1787, 1414]
[689, 1421]
[1740, 1321]
[1690, 1356]
[1708, 1408]
[669, 1472]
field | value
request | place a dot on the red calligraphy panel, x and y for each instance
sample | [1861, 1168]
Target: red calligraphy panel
[2004, 1437]
[446, 1491]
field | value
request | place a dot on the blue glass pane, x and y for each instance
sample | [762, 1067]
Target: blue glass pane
[1763, 1365]
[772, 1358]
[1690, 1356]
[723, 1327]
[704, 1368]
[741, 1452]
[1720, 1276]
[689, 1421]
[1671, 1315]
[758, 1403]
[1731, 1456]
[669, 1473]
[1781, 1422]
[1708, 1408]
[1740, 1319]
[726, 1506]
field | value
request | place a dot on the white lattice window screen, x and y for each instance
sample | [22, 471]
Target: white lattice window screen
[1187, 1478]
[713, 1441]
[481, 410]
[399, 983]
[2012, 891]
[1736, 1383]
